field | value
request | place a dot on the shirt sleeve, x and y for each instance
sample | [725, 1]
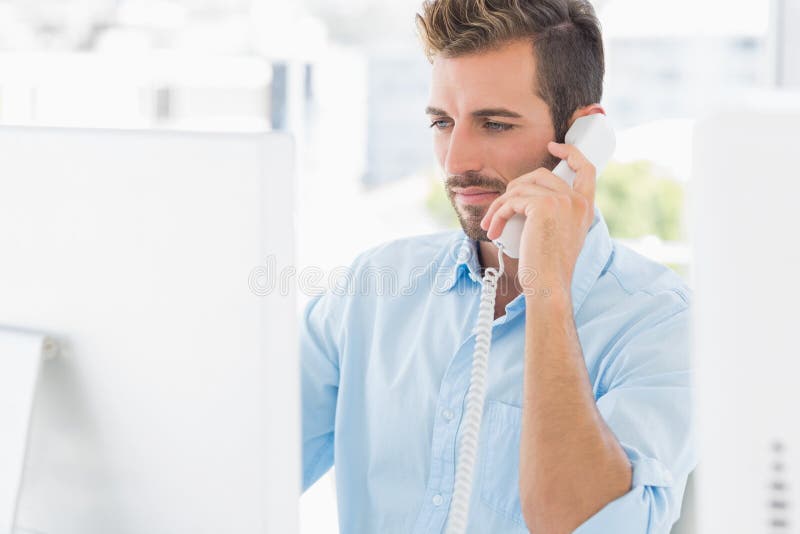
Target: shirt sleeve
[648, 405]
[319, 386]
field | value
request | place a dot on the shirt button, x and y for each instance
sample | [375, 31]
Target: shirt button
[437, 500]
[447, 414]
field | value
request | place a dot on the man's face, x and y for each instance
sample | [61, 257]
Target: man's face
[488, 126]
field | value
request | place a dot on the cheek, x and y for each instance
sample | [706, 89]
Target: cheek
[519, 159]
[529, 155]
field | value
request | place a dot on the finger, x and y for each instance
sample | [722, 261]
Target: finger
[585, 182]
[508, 209]
[499, 201]
[585, 172]
[542, 177]
[575, 158]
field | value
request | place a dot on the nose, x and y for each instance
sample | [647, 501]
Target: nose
[463, 152]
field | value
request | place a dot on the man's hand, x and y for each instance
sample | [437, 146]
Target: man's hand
[571, 464]
[558, 218]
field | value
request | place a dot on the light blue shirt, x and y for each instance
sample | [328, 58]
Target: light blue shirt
[386, 358]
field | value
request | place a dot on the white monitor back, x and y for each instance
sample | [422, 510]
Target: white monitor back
[745, 207]
[173, 408]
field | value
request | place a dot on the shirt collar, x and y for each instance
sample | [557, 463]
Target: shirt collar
[461, 260]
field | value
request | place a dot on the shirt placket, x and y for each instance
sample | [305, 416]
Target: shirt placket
[452, 392]
[449, 410]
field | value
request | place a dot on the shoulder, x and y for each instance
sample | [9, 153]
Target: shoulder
[637, 301]
[381, 270]
[648, 283]
[378, 276]
[643, 321]
[408, 252]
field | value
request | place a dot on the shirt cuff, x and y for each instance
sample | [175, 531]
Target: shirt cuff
[647, 471]
[631, 513]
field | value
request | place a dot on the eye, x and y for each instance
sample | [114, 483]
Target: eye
[498, 126]
[439, 124]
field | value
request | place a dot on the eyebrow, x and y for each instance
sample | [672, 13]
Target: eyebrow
[487, 112]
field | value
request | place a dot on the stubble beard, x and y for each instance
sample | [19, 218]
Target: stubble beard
[470, 215]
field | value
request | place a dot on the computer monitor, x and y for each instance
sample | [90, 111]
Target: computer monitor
[745, 193]
[173, 407]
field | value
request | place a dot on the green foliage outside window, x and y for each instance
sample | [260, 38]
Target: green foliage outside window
[637, 201]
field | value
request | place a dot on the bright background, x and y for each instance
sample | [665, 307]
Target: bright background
[348, 78]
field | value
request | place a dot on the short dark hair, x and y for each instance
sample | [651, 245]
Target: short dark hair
[565, 35]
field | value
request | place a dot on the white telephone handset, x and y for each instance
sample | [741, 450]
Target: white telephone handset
[595, 138]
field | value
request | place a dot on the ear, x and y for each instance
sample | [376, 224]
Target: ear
[586, 110]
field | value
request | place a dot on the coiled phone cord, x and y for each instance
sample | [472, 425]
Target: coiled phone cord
[476, 395]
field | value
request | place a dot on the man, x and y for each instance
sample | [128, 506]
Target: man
[586, 423]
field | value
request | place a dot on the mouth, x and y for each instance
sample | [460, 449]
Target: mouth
[474, 195]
